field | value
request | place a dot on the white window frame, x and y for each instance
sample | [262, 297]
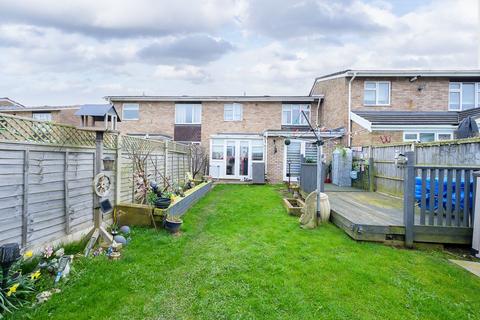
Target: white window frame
[417, 133]
[40, 115]
[236, 109]
[460, 90]
[183, 121]
[302, 107]
[130, 106]
[260, 144]
[377, 83]
[217, 143]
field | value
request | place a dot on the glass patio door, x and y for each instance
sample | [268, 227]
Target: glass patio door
[230, 159]
[243, 161]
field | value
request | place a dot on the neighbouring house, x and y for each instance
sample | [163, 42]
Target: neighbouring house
[236, 131]
[392, 106]
[60, 114]
[7, 103]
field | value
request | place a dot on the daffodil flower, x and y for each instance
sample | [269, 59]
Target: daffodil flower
[12, 289]
[28, 254]
[35, 275]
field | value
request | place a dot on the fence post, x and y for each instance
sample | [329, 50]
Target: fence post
[26, 169]
[66, 194]
[409, 198]
[165, 165]
[371, 175]
[118, 170]
[476, 215]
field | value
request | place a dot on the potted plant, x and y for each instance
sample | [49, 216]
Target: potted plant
[173, 223]
[164, 200]
[151, 197]
[114, 229]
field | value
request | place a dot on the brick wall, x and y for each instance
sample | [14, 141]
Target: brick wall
[334, 108]
[154, 118]
[405, 95]
[361, 137]
[275, 159]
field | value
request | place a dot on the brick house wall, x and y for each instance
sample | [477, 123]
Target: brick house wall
[154, 118]
[275, 159]
[65, 116]
[362, 137]
[405, 96]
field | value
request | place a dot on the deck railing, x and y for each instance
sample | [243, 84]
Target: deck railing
[437, 196]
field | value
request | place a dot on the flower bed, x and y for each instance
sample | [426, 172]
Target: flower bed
[141, 215]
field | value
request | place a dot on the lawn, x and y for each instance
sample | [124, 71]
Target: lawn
[240, 256]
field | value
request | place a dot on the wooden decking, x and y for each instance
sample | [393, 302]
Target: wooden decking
[371, 216]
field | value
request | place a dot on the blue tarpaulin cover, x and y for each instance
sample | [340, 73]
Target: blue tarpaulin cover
[443, 197]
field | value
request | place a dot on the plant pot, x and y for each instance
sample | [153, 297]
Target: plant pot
[163, 203]
[173, 226]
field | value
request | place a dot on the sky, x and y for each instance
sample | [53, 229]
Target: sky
[74, 52]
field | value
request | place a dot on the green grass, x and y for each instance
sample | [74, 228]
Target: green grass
[242, 257]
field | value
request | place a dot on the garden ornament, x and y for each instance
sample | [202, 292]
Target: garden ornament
[309, 218]
[125, 229]
[120, 239]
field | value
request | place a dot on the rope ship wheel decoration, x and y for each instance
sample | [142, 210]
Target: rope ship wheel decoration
[102, 185]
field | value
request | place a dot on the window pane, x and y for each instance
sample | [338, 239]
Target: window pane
[454, 100]
[383, 93]
[197, 116]
[427, 137]
[370, 85]
[410, 136]
[454, 86]
[43, 116]
[307, 113]
[257, 153]
[228, 112]
[238, 110]
[287, 117]
[130, 111]
[188, 114]
[444, 136]
[468, 95]
[369, 97]
[295, 115]
[217, 152]
[179, 113]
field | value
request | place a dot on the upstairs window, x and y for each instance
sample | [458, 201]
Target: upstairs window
[131, 111]
[292, 114]
[188, 113]
[42, 116]
[376, 93]
[463, 95]
[233, 112]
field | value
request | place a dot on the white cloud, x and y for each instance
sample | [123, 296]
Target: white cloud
[77, 52]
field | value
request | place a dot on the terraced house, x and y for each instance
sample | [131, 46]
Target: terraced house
[355, 107]
[391, 106]
[237, 131]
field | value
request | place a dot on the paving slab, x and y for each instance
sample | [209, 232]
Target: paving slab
[473, 267]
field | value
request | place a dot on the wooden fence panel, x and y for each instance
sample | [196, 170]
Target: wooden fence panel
[11, 195]
[46, 175]
[389, 176]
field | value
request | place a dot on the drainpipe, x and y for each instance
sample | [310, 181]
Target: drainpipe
[318, 112]
[349, 138]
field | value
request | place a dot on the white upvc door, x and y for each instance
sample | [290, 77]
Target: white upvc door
[238, 159]
[293, 155]
[231, 159]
